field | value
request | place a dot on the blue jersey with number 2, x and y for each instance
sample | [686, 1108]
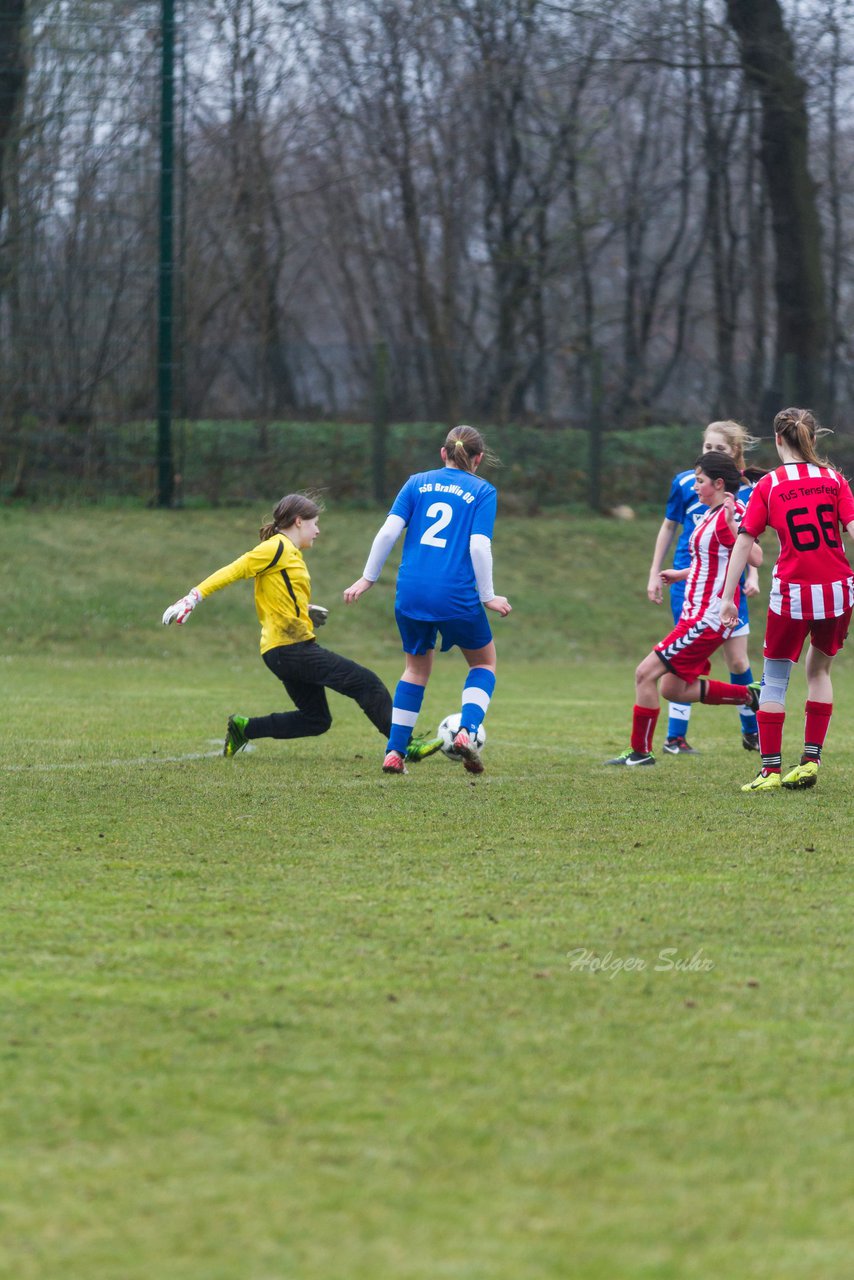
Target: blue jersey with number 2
[441, 509]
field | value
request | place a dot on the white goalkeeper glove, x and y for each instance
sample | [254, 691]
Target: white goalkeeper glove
[318, 614]
[180, 611]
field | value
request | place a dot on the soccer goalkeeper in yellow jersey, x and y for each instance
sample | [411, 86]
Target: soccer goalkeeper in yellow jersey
[288, 642]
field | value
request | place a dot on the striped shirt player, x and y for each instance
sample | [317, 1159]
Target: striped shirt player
[699, 633]
[711, 544]
[444, 586]
[807, 503]
[684, 508]
[683, 511]
[681, 661]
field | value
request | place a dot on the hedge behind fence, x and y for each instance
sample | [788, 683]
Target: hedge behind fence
[230, 462]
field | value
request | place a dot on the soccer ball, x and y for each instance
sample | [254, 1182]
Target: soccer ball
[448, 730]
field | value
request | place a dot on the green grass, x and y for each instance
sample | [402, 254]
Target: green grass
[285, 1017]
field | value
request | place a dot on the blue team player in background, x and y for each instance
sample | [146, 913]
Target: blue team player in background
[444, 585]
[684, 509]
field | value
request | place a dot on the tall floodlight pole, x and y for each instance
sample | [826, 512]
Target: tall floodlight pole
[165, 468]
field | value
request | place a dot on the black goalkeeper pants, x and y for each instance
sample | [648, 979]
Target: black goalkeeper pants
[307, 670]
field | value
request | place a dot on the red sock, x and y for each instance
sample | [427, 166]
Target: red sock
[771, 738]
[817, 724]
[717, 694]
[644, 720]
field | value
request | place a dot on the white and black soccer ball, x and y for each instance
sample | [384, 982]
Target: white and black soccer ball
[448, 730]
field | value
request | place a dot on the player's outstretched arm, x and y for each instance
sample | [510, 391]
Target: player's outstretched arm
[359, 587]
[180, 611]
[380, 547]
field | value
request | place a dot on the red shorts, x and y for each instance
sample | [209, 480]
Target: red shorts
[784, 637]
[688, 649]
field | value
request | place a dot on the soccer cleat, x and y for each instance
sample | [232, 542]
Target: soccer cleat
[468, 751]
[804, 774]
[765, 780]
[235, 735]
[633, 757]
[679, 747]
[754, 688]
[750, 741]
[394, 763]
[421, 748]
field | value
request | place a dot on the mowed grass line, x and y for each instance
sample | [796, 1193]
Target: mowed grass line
[283, 1016]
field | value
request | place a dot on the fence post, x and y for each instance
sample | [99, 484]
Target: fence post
[380, 421]
[165, 466]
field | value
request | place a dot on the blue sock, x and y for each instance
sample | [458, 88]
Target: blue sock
[748, 718]
[404, 712]
[680, 714]
[477, 691]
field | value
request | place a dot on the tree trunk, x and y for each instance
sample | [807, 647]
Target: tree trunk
[12, 76]
[768, 59]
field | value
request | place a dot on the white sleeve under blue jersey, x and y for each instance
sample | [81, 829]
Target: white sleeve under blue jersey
[683, 507]
[441, 510]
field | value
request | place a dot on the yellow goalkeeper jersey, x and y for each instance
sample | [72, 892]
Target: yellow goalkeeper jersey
[282, 590]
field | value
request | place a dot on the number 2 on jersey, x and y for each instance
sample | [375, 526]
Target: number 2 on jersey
[444, 511]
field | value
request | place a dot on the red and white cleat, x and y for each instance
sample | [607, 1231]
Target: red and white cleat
[394, 763]
[468, 751]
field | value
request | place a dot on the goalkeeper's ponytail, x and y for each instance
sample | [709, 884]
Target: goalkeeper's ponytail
[294, 506]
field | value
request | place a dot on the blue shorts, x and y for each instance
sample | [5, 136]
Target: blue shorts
[677, 597]
[418, 636]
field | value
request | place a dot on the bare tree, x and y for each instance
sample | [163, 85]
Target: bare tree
[768, 58]
[506, 195]
[13, 72]
[389, 74]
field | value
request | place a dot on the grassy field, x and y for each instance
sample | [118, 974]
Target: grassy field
[285, 1018]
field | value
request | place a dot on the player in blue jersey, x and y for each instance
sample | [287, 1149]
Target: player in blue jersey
[444, 585]
[684, 509]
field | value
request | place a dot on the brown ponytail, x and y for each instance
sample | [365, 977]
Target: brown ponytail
[292, 507]
[800, 430]
[463, 445]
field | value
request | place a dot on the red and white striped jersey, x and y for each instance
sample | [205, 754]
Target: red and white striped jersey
[710, 545]
[805, 504]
